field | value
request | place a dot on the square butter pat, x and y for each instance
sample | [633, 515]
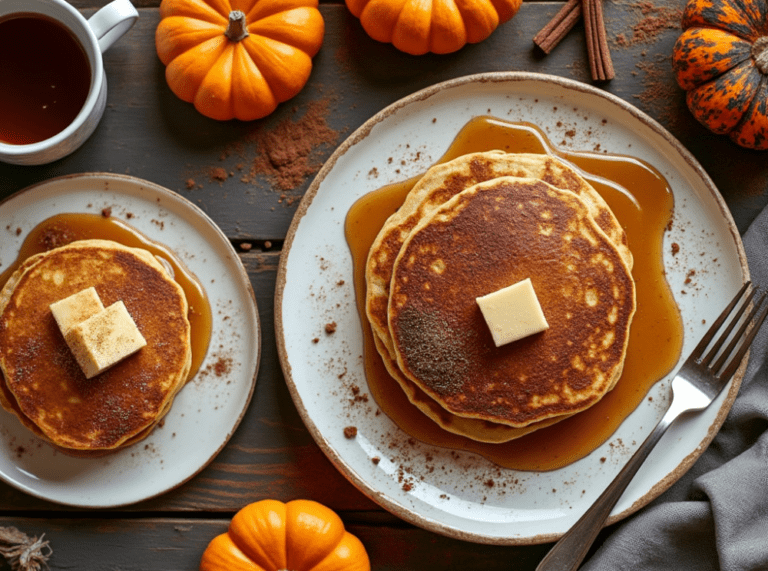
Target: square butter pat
[76, 308]
[513, 312]
[104, 339]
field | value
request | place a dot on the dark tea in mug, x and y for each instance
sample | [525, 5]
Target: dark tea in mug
[44, 81]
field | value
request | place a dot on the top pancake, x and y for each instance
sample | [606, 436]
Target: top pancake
[445, 180]
[487, 237]
[42, 376]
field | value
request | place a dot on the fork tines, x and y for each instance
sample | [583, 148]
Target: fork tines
[730, 358]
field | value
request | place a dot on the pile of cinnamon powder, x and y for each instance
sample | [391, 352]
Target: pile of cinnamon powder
[653, 20]
[286, 153]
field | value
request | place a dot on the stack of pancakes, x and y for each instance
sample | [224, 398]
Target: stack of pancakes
[473, 226]
[43, 385]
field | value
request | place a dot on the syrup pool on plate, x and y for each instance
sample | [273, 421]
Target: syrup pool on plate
[642, 201]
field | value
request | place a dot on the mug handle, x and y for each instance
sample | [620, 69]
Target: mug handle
[112, 21]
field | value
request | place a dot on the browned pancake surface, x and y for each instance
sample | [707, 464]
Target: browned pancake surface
[488, 237]
[43, 377]
[473, 428]
[445, 180]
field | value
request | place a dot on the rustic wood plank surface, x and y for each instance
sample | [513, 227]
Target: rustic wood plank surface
[147, 132]
[143, 116]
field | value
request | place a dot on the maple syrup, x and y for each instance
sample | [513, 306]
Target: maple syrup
[62, 229]
[45, 78]
[642, 201]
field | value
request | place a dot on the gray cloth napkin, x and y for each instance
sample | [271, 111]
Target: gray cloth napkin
[716, 516]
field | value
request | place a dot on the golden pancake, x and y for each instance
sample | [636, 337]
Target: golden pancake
[46, 387]
[436, 186]
[445, 180]
[8, 402]
[485, 238]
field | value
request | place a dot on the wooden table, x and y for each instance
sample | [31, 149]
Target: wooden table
[148, 133]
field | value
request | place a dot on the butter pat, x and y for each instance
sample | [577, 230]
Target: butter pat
[104, 339]
[513, 312]
[76, 308]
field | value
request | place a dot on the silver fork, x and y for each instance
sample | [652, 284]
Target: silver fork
[699, 381]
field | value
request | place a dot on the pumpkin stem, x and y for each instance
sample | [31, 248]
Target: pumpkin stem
[760, 54]
[238, 28]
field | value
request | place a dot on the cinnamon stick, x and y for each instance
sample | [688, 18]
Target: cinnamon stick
[557, 28]
[600, 64]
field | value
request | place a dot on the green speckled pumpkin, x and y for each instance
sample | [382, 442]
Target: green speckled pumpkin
[721, 60]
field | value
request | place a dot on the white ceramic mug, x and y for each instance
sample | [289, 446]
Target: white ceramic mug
[95, 35]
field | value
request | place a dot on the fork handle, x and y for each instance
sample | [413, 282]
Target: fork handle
[570, 550]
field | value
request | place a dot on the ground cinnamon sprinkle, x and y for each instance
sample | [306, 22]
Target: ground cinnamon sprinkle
[55, 236]
[221, 367]
[218, 174]
[286, 154]
[661, 96]
[653, 21]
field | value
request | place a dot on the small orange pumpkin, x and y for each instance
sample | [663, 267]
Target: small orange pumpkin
[721, 60]
[438, 26]
[238, 58]
[300, 535]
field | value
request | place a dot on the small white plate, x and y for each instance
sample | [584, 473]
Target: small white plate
[206, 411]
[457, 493]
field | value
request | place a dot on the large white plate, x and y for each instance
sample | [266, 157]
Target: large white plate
[459, 494]
[206, 411]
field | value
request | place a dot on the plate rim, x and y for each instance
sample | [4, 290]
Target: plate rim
[361, 133]
[99, 177]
